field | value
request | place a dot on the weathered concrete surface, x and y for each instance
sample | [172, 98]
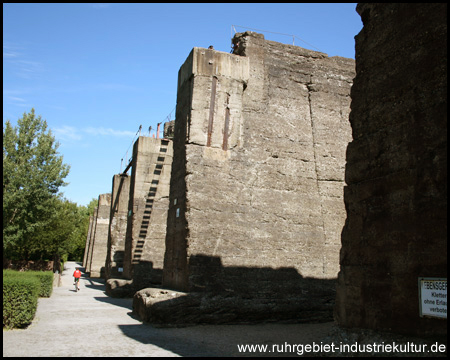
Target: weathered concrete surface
[308, 300]
[147, 211]
[256, 196]
[88, 241]
[120, 288]
[118, 226]
[396, 198]
[100, 240]
[89, 323]
[169, 128]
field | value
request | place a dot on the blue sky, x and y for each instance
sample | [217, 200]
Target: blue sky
[96, 72]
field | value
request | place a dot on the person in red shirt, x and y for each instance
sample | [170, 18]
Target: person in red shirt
[77, 275]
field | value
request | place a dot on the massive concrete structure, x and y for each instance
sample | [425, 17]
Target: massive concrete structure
[396, 173]
[86, 257]
[99, 238]
[118, 226]
[258, 169]
[147, 211]
[256, 193]
[90, 240]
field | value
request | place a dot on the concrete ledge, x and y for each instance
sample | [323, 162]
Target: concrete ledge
[56, 279]
[120, 288]
[168, 308]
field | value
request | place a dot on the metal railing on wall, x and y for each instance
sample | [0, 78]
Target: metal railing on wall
[158, 132]
[138, 133]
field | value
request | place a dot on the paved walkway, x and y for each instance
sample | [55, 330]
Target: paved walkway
[89, 323]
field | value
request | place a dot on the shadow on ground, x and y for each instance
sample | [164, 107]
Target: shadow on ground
[174, 340]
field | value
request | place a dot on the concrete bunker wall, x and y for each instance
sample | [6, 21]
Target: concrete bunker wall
[258, 172]
[147, 211]
[118, 226]
[96, 264]
[396, 173]
[86, 257]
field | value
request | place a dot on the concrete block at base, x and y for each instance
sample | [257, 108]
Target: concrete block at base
[120, 288]
[56, 279]
[169, 308]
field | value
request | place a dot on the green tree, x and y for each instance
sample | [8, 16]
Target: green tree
[83, 228]
[33, 172]
[91, 206]
[64, 236]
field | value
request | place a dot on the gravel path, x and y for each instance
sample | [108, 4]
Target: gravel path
[89, 323]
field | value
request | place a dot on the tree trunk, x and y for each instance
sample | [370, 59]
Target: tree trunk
[56, 263]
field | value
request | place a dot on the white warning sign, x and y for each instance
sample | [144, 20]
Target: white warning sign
[433, 297]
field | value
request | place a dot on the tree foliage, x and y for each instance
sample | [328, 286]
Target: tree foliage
[33, 172]
[64, 233]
